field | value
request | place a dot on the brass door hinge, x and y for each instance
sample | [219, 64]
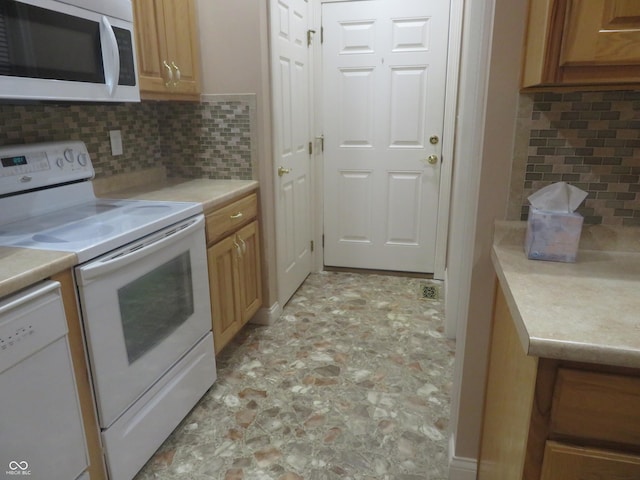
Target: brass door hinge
[312, 245]
[310, 148]
[309, 33]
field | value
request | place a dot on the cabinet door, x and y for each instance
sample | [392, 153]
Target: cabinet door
[564, 462]
[151, 45]
[249, 269]
[582, 43]
[596, 406]
[183, 52]
[225, 290]
[167, 48]
[601, 41]
[602, 32]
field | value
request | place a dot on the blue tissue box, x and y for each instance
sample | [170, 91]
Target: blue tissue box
[553, 236]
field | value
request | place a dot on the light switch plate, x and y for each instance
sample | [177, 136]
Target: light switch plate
[116, 142]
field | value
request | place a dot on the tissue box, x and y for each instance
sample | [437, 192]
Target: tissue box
[553, 236]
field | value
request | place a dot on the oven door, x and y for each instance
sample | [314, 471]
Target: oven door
[144, 306]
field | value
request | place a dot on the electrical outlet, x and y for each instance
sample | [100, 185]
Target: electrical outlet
[116, 142]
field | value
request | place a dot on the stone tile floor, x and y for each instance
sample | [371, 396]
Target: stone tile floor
[352, 382]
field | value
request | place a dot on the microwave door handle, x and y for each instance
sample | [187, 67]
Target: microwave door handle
[139, 250]
[112, 60]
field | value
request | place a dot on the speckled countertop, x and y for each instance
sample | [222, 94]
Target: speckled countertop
[211, 193]
[588, 311]
[21, 267]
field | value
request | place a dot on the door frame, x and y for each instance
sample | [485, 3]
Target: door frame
[448, 137]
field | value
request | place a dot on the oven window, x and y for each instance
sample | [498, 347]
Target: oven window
[154, 305]
[40, 43]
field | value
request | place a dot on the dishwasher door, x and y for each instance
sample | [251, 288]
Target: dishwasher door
[41, 430]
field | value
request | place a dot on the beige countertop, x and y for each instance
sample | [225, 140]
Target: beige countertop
[211, 193]
[21, 267]
[588, 311]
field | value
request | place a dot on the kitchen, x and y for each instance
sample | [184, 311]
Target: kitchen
[140, 126]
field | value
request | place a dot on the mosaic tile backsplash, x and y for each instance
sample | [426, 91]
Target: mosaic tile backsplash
[590, 140]
[212, 139]
[208, 140]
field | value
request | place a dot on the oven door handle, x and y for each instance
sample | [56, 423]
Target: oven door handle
[141, 249]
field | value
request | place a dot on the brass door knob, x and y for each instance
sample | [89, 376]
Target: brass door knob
[432, 159]
[282, 171]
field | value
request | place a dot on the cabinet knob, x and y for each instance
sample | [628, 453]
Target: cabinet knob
[169, 81]
[178, 75]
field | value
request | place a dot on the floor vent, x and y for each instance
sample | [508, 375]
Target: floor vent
[430, 292]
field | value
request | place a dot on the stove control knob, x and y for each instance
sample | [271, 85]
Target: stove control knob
[82, 159]
[68, 154]
[60, 162]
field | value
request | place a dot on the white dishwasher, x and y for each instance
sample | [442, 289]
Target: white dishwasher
[41, 430]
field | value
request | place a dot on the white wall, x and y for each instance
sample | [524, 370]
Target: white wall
[483, 168]
[235, 60]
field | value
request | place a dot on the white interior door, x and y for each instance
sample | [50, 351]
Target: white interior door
[291, 132]
[384, 74]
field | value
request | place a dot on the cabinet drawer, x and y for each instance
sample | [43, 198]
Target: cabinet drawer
[225, 220]
[598, 406]
[564, 462]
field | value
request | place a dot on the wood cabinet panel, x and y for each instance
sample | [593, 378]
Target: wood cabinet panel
[151, 45]
[182, 45]
[235, 267]
[564, 462]
[223, 221]
[167, 49]
[579, 43]
[225, 290]
[509, 395]
[596, 406]
[250, 271]
[602, 32]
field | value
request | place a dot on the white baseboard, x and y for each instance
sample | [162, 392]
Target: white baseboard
[267, 316]
[461, 468]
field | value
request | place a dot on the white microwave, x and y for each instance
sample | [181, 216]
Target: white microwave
[70, 50]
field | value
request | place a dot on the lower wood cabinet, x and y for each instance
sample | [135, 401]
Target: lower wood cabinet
[547, 419]
[235, 277]
[567, 462]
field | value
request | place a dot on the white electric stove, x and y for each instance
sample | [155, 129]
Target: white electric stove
[48, 203]
[143, 291]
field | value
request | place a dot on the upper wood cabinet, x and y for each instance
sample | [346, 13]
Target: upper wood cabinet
[168, 49]
[577, 42]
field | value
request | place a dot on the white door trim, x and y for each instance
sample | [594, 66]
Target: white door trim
[317, 161]
[448, 137]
